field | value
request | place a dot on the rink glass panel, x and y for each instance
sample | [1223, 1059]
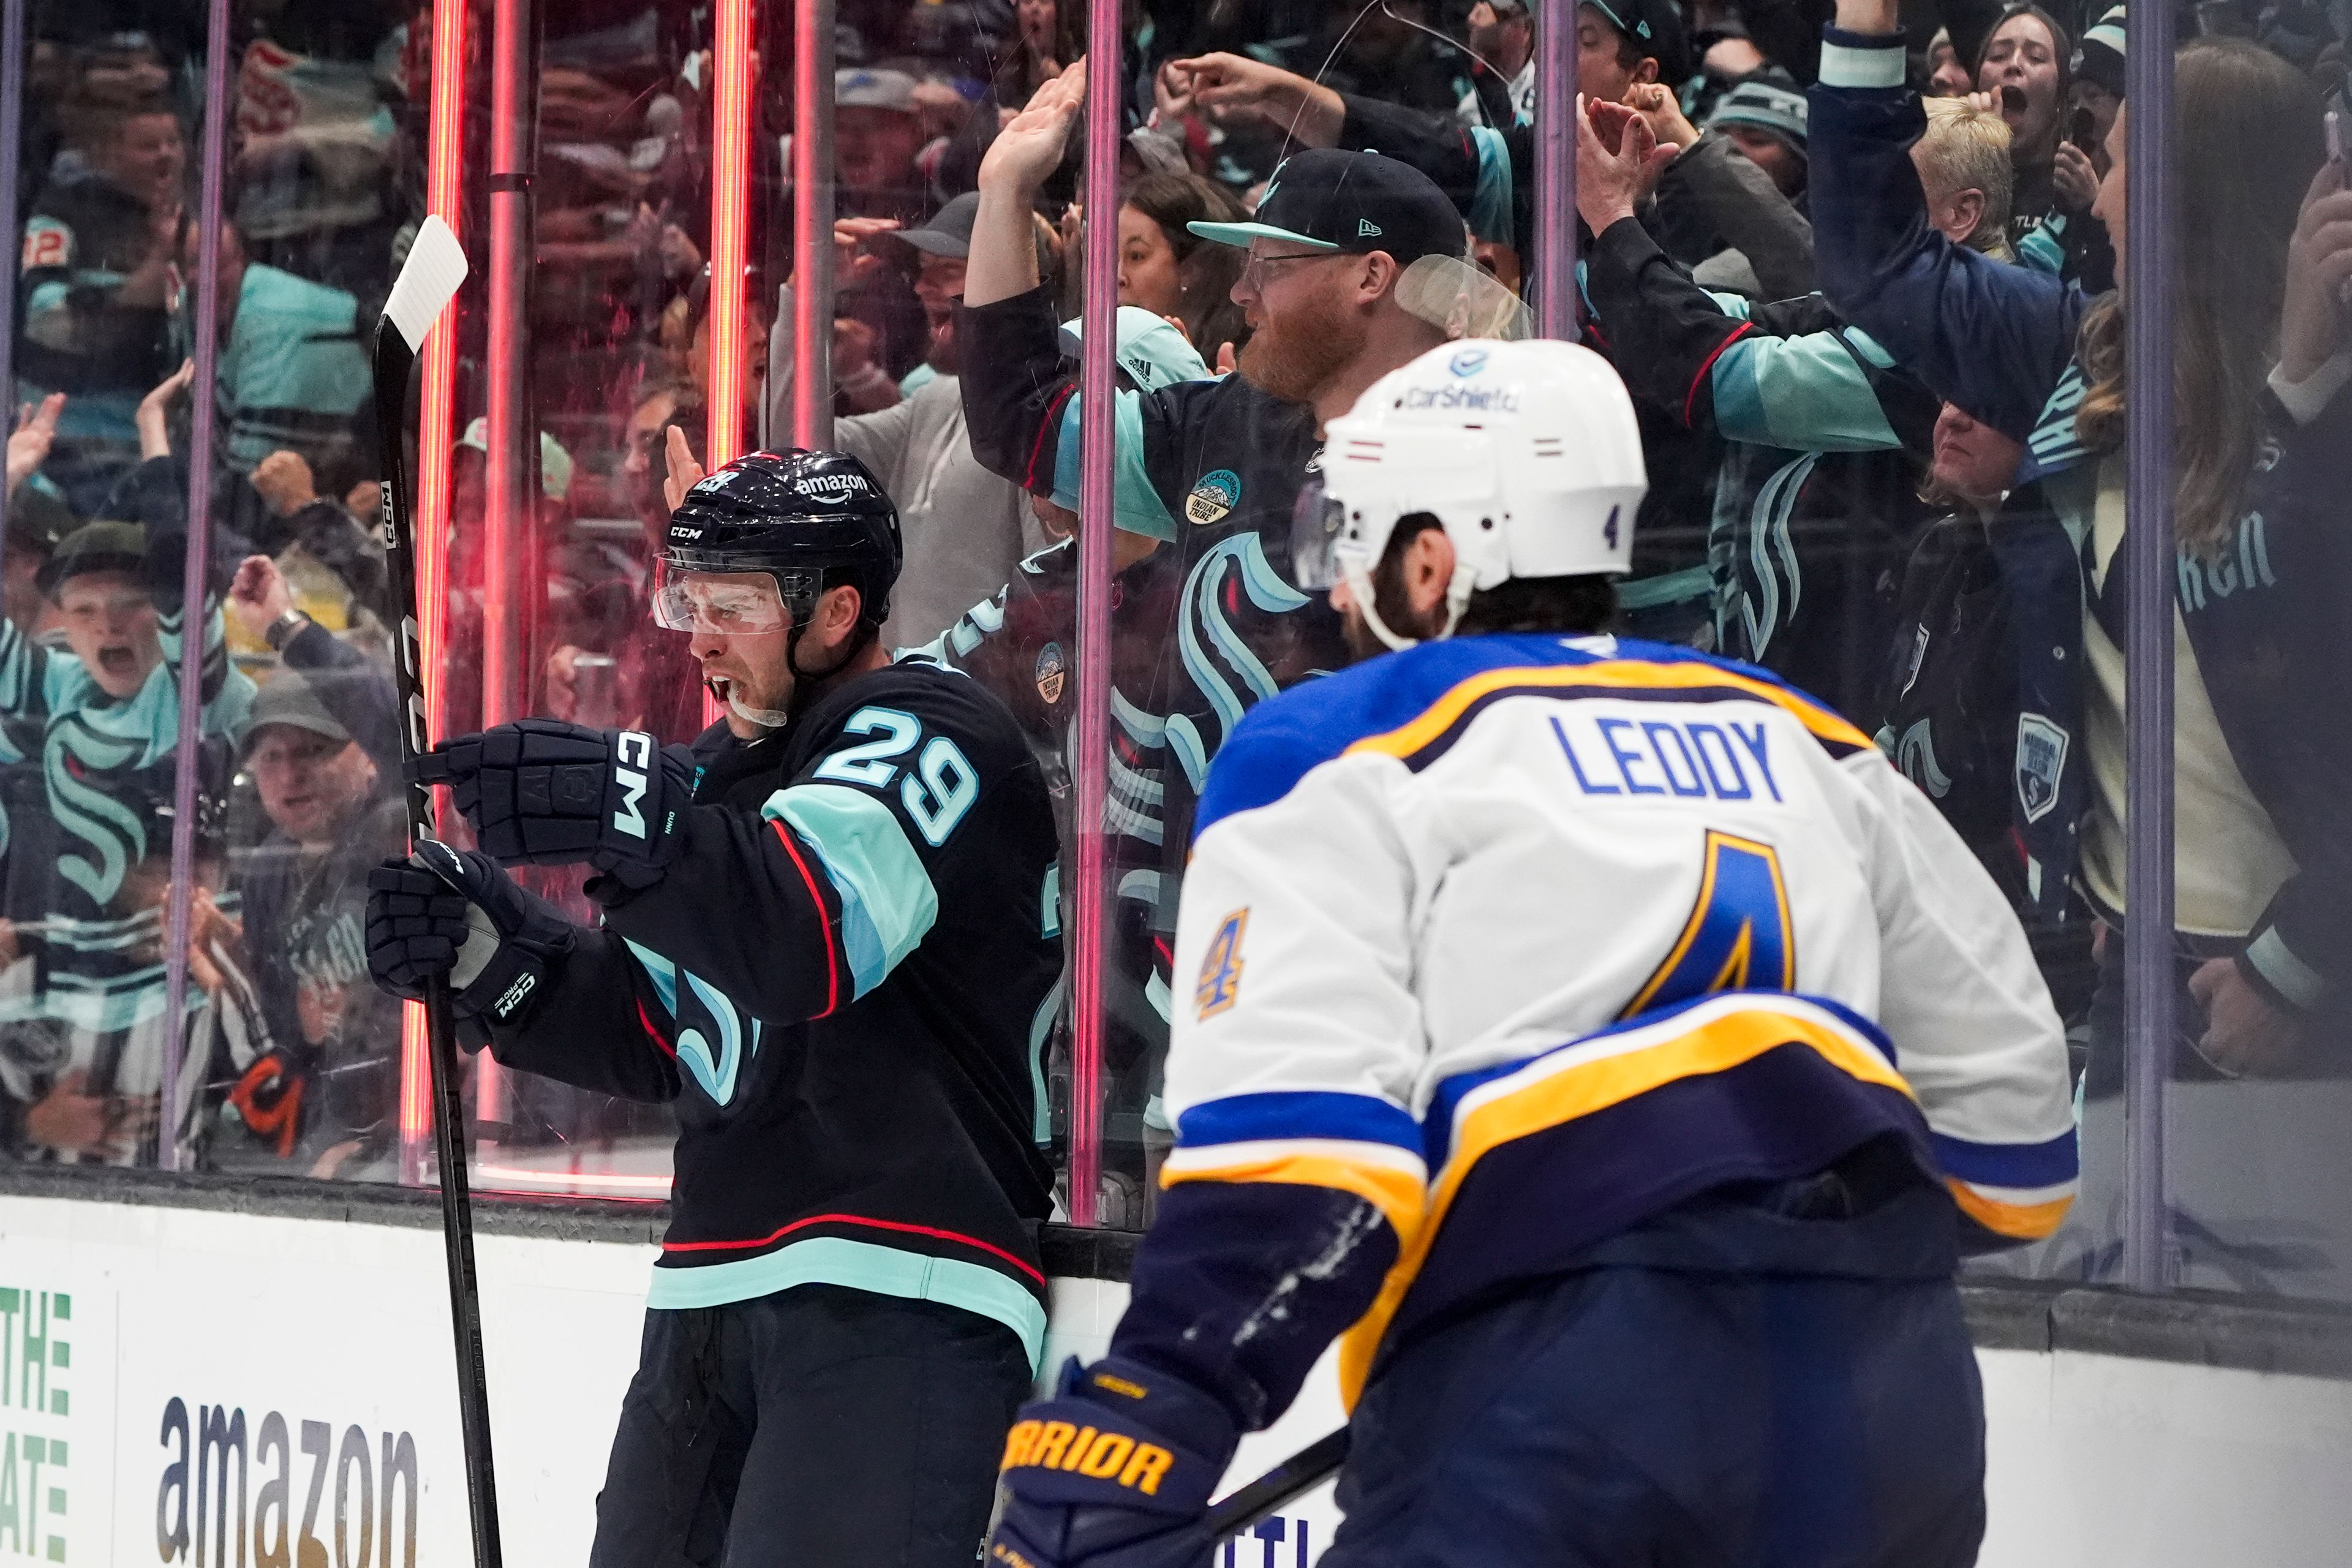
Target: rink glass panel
[2258, 1181]
[605, 341]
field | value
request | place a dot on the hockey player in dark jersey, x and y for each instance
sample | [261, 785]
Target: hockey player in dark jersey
[824, 937]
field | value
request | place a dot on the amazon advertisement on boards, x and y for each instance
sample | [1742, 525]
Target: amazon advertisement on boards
[186, 1387]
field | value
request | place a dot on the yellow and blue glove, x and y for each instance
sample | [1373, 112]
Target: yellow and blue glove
[1114, 1472]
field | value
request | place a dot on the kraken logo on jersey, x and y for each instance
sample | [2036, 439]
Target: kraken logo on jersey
[1203, 630]
[117, 838]
[715, 1038]
[1916, 755]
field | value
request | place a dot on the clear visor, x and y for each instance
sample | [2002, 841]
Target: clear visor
[718, 604]
[1322, 546]
[1462, 300]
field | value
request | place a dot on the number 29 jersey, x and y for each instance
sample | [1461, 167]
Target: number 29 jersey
[1500, 946]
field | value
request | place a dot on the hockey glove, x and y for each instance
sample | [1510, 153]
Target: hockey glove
[267, 1097]
[454, 913]
[544, 792]
[1114, 1472]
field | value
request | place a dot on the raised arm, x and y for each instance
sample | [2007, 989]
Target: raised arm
[1235, 87]
[1679, 348]
[1004, 261]
[1993, 338]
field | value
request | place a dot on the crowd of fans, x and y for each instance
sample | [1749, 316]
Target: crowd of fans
[1862, 282]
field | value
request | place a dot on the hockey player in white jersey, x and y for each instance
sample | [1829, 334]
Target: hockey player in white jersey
[1604, 1041]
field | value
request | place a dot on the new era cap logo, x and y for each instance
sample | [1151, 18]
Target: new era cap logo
[1365, 226]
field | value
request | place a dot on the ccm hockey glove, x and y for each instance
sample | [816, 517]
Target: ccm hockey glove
[544, 792]
[454, 913]
[1113, 1472]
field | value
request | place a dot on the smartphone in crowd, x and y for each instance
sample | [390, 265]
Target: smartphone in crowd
[2082, 130]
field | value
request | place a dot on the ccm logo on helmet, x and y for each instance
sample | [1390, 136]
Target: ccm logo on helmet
[1058, 1446]
[633, 755]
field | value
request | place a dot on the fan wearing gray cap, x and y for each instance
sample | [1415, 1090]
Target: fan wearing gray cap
[963, 528]
[1767, 122]
[1730, 207]
[319, 745]
[876, 132]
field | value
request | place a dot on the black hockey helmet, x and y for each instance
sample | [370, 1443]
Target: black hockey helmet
[814, 521]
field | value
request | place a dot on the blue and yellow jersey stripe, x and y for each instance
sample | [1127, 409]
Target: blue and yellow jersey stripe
[1352, 1143]
[1476, 1113]
[1414, 1171]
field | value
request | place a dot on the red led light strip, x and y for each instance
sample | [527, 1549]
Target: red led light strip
[444, 166]
[730, 221]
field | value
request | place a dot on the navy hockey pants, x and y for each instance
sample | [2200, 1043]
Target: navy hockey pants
[817, 1425]
[1633, 1416]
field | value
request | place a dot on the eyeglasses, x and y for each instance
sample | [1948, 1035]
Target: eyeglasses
[1254, 270]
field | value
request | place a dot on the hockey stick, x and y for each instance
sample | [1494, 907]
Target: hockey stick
[1294, 1478]
[428, 280]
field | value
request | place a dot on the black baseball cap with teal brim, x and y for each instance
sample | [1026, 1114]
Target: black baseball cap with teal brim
[1656, 29]
[1352, 203]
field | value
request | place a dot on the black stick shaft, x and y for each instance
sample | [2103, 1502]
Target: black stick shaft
[1293, 1479]
[392, 364]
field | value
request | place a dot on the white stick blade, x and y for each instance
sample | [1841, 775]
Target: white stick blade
[428, 280]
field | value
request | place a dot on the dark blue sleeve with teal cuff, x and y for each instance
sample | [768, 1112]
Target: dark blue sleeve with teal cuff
[1992, 337]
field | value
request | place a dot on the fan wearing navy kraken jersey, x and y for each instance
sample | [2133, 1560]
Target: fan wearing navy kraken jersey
[824, 939]
[1603, 1041]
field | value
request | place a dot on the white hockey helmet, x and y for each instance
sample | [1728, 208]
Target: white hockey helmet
[1527, 452]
